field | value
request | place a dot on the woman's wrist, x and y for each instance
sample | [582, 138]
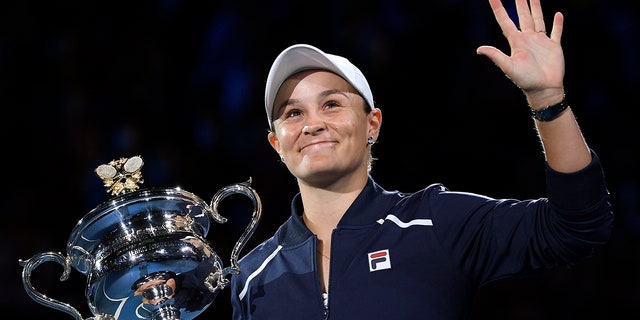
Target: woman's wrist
[550, 112]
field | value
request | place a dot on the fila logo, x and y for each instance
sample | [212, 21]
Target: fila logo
[379, 260]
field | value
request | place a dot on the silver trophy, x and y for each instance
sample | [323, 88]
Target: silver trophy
[144, 251]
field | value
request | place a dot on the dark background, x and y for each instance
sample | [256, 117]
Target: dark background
[181, 83]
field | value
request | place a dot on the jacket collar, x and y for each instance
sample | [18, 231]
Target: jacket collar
[372, 203]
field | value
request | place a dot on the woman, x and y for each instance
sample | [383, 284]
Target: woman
[352, 250]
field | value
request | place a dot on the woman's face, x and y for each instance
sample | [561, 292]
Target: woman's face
[321, 127]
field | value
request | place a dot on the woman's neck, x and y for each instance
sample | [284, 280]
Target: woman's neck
[324, 207]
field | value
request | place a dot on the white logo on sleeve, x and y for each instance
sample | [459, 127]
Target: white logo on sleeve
[379, 260]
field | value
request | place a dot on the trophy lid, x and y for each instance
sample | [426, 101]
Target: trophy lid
[153, 206]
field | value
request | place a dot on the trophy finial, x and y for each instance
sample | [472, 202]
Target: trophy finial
[121, 175]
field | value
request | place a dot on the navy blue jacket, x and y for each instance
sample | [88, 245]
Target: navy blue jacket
[422, 255]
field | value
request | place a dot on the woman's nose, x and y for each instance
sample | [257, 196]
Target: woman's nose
[313, 128]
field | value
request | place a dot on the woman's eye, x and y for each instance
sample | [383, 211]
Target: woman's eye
[293, 113]
[331, 104]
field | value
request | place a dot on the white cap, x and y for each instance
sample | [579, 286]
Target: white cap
[302, 57]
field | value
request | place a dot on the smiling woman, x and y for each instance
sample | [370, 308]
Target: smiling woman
[179, 82]
[323, 129]
[417, 253]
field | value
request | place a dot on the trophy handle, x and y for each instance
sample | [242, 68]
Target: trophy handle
[31, 264]
[245, 189]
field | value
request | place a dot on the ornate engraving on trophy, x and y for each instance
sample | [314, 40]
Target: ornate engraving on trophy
[121, 175]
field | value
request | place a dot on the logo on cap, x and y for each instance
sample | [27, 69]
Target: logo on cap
[379, 260]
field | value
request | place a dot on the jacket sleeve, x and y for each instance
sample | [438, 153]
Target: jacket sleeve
[492, 239]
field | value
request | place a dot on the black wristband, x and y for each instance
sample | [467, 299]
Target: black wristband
[550, 112]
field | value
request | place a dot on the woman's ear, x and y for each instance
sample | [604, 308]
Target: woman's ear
[273, 141]
[375, 122]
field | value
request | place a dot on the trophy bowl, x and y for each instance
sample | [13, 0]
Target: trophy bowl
[144, 251]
